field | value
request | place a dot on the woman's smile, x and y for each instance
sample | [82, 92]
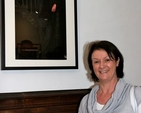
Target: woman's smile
[104, 66]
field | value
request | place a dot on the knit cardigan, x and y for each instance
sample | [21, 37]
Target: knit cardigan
[118, 103]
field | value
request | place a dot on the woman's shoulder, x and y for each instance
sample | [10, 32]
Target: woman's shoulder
[138, 91]
[138, 94]
[85, 98]
[83, 104]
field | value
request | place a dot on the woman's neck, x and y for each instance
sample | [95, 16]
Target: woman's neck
[108, 86]
[105, 91]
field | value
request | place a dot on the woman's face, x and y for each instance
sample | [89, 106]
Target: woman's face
[103, 66]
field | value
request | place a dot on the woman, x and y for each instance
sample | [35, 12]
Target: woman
[111, 95]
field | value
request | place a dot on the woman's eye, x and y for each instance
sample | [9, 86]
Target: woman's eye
[107, 60]
[95, 62]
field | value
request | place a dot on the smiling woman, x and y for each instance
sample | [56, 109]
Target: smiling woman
[103, 65]
[109, 52]
[111, 94]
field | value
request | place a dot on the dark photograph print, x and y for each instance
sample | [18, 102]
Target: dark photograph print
[40, 29]
[39, 34]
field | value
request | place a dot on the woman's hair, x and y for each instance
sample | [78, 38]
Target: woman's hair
[112, 52]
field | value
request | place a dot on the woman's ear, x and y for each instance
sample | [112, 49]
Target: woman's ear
[118, 61]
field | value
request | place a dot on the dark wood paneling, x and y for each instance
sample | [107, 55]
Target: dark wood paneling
[66, 101]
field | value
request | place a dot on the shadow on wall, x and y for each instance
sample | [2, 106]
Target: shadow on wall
[85, 62]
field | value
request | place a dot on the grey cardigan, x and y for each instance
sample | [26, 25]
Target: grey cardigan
[118, 103]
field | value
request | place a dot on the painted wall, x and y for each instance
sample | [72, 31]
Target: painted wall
[118, 21]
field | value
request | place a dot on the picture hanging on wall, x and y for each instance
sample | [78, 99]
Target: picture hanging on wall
[39, 34]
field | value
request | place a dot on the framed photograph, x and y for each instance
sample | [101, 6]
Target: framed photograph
[39, 34]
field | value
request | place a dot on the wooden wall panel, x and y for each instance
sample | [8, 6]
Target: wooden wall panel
[66, 101]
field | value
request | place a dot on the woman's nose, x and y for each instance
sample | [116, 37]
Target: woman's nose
[102, 64]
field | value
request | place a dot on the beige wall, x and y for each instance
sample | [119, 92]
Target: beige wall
[118, 21]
